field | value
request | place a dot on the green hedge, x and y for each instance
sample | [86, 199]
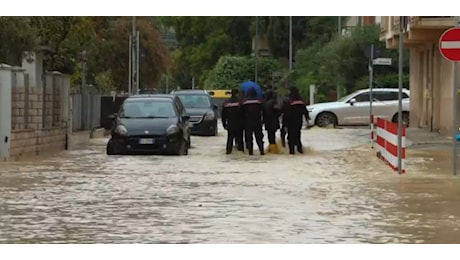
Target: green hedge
[231, 71]
[385, 81]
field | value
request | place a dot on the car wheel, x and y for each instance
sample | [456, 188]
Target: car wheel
[110, 149]
[326, 119]
[405, 118]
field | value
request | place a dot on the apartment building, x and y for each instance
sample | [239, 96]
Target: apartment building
[356, 21]
[431, 75]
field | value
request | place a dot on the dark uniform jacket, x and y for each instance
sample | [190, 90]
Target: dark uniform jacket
[231, 113]
[294, 109]
[271, 114]
[252, 110]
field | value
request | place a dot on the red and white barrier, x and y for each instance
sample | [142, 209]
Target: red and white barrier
[387, 143]
[372, 132]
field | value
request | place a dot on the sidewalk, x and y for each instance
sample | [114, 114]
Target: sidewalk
[420, 137]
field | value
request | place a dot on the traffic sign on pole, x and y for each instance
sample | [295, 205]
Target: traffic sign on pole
[382, 61]
[449, 44]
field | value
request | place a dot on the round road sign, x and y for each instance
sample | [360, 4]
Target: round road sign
[449, 44]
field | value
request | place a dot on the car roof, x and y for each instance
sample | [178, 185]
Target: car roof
[151, 97]
[190, 91]
[383, 89]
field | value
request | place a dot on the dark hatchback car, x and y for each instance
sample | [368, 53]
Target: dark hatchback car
[150, 124]
[202, 111]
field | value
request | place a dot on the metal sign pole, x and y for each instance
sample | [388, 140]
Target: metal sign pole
[290, 44]
[137, 63]
[256, 49]
[400, 85]
[130, 81]
[454, 121]
[455, 107]
[339, 31]
[371, 85]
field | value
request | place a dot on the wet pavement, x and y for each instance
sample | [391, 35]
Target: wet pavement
[338, 192]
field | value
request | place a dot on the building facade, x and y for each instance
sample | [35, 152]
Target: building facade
[431, 75]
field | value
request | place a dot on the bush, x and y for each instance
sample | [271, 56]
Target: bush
[384, 81]
[231, 71]
[343, 61]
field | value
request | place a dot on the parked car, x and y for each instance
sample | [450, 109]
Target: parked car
[354, 109]
[202, 111]
[149, 124]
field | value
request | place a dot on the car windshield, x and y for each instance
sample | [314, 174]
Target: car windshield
[347, 97]
[147, 109]
[195, 101]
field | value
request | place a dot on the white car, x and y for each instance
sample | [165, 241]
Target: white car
[354, 109]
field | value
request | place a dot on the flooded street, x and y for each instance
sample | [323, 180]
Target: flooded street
[338, 192]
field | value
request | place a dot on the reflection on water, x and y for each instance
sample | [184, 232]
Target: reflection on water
[329, 195]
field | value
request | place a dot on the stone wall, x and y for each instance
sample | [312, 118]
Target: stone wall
[36, 111]
[35, 142]
[38, 120]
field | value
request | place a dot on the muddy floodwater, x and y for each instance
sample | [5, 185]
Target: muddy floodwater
[338, 192]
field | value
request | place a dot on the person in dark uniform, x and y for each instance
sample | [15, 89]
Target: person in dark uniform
[283, 130]
[272, 113]
[293, 112]
[252, 111]
[232, 121]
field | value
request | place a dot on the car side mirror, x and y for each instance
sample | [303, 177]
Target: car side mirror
[113, 116]
[185, 118]
[352, 101]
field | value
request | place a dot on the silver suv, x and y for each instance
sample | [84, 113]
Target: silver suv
[354, 109]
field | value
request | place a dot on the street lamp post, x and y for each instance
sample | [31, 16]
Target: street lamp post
[133, 59]
[256, 51]
[339, 31]
[290, 44]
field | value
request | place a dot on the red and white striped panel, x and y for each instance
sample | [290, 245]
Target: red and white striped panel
[387, 143]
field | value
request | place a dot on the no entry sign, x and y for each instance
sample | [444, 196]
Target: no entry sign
[449, 44]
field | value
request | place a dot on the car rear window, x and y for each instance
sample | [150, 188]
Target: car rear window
[148, 109]
[195, 101]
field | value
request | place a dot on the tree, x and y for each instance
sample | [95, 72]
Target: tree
[110, 53]
[66, 37]
[342, 61]
[105, 40]
[16, 36]
[203, 40]
[231, 71]
[306, 30]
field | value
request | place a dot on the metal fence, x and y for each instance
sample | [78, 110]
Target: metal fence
[86, 109]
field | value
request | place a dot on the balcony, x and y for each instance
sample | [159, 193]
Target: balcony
[432, 22]
[384, 25]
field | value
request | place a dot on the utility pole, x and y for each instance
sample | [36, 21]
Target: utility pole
[290, 44]
[130, 76]
[134, 59]
[256, 49]
[339, 27]
[137, 62]
[400, 85]
[167, 83]
[84, 98]
[455, 128]
[339, 31]
[371, 88]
